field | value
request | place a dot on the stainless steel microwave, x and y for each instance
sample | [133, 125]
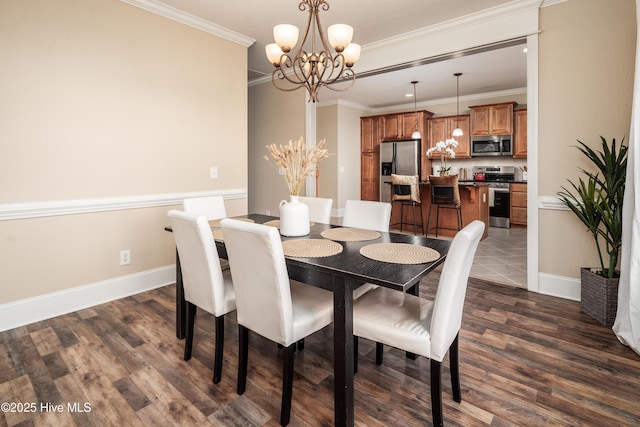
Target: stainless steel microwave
[497, 145]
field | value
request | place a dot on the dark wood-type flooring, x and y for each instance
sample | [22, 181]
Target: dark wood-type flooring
[526, 359]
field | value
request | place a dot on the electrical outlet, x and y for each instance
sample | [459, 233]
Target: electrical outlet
[268, 212]
[213, 172]
[125, 257]
[280, 171]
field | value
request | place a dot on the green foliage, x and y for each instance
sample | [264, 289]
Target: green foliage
[597, 202]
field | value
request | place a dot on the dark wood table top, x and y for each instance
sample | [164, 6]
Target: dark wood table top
[355, 267]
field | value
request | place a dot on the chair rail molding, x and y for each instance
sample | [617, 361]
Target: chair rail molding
[12, 211]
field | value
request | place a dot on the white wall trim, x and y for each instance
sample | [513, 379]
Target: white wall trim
[12, 211]
[551, 202]
[29, 310]
[191, 20]
[559, 286]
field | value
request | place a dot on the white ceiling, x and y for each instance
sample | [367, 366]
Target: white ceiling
[374, 20]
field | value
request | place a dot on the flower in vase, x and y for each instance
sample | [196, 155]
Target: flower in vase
[445, 148]
[296, 161]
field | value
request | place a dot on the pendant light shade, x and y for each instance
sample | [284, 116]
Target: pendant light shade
[457, 131]
[416, 133]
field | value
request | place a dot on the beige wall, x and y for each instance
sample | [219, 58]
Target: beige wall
[101, 99]
[586, 63]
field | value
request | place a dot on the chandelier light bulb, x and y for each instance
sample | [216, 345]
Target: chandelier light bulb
[351, 54]
[285, 36]
[340, 36]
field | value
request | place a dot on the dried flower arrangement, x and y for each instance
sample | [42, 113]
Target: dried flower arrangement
[296, 161]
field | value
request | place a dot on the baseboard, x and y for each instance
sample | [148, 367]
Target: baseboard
[30, 310]
[559, 286]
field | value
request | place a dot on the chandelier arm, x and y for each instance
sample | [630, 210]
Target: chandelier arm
[277, 76]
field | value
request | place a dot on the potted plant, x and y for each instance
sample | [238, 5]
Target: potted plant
[597, 202]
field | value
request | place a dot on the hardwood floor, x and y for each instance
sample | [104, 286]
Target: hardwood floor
[526, 359]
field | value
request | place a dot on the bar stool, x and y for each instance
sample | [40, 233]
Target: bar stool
[444, 194]
[406, 190]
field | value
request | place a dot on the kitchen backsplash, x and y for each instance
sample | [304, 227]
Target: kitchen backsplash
[468, 164]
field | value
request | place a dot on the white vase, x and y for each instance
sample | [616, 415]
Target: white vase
[294, 218]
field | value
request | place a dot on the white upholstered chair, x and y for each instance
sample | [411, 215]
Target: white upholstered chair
[268, 303]
[212, 207]
[367, 215]
[319, 208]
[423, 327]
[206, 285]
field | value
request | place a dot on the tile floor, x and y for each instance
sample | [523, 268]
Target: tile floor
[502, 257]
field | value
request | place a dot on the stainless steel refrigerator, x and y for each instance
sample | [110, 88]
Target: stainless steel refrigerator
[400, 158]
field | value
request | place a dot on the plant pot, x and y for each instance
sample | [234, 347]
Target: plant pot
[598, 296]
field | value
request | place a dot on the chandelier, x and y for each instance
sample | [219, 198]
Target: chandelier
[457, 131]
[318, 66]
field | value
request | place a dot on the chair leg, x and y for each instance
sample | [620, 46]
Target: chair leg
[287, 384]
[436, 392]
[426, 233]
[455, 370]
[379, 353]
[217, 362]
[191, 318]
[437, 219]
[422, 219]
[355, 354]
[243, 355]
[301, 344]
[415, 225]
[401, 215]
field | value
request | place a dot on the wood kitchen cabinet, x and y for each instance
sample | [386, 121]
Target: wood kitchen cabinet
[370, 176]
[518, 197]
[520, 133]
[370, 134]
[402, 125]
[440, 129]
[494, 119]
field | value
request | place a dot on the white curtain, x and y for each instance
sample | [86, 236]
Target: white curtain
[627, 324]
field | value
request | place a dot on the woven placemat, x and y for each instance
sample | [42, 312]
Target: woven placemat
[216, 222]
[347, 234]
[399, 253]
[276, 223]
[311, 248]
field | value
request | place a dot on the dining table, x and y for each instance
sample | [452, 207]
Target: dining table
[341, 274]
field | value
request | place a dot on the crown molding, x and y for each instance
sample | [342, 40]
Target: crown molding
[174, 14]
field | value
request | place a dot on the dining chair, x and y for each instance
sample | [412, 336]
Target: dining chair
[367, 215]
[445, 193]
[206, 284]
[268, 302]
[406, 191]
[420, 326]
[212, 207]
[319, 208]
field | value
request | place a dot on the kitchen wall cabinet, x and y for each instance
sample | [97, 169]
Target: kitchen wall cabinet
[494, 119]
[440, 128]
[402, 125]
[518, 197]
[520, 133]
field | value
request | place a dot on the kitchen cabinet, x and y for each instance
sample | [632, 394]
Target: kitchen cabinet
[520, 134]
[374, 130]
[370, 176]
[370, 134]
[440, 129]
[402, 125]
[518, 197]
[494, 119]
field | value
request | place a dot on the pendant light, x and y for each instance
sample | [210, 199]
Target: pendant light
[416, 133]
[457, 131]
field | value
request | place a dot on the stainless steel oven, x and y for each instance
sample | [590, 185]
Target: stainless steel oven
[498, 178]
[497, 145]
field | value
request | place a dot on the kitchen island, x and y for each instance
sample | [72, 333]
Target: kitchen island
[474, 203]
